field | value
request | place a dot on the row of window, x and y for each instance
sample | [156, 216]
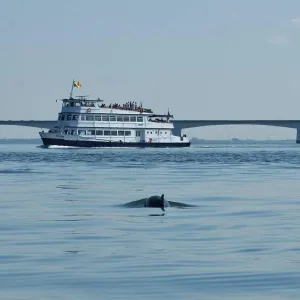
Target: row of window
[155, 132]
[78, 104]
[100, 132]
[101, 118]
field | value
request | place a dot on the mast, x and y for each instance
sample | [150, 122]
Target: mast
[72, 89]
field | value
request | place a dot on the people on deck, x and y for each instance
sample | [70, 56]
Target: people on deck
[130, 105]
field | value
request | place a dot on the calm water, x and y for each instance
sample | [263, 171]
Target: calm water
[63, 235]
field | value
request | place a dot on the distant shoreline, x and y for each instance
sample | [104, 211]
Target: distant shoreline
[197, 141]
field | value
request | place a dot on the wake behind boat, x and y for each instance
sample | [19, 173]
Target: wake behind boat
[85, 122]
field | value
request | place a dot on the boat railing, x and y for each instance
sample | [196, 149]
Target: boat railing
[82, 102]
[126, 107]
[160, 118]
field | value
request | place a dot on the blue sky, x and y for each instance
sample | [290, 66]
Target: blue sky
[209, 59]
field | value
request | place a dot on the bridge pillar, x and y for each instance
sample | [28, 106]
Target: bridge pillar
[298, 136]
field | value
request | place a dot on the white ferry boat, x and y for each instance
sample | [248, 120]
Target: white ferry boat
[84, 122]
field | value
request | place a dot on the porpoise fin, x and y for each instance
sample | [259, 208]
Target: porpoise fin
[162, 197]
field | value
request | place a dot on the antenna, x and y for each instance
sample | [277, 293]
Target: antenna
[72, 89]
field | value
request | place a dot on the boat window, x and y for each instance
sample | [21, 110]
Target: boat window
[127, 133]
[121, 132]
[138, 133]
[72, 104]
[69, 117]
[90, 132]
[112, 118]
[106, 132]
[104, 118]
[89, 118]
[82, 117]
[99, 132]
[113, 132]
[132, 119]
[97, 118]
[126, 119]
[62, 117]
[81, 132]
[75, 117]
[73, 132]
[140, 119]
[120, 118]
[66, 131]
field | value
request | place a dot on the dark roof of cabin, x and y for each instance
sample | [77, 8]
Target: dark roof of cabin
[82, 99]
[160, 116]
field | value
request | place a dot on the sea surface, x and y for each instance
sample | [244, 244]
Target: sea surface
[65, 234]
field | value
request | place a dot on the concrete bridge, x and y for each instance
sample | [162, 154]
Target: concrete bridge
[184, 124]
[181, 124]
[30, 123]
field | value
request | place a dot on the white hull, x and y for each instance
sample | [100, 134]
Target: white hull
[54, 139]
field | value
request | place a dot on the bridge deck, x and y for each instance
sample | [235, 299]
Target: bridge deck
[198, 123]
[177, 123]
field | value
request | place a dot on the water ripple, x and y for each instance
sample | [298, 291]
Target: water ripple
[65, 236]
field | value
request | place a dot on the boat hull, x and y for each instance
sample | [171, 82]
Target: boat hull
[93, 144]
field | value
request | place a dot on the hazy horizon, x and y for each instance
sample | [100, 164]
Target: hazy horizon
[201, 59]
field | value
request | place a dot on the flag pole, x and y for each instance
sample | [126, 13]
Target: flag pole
[72, 89]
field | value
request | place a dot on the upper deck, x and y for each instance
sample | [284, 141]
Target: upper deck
[81, 102]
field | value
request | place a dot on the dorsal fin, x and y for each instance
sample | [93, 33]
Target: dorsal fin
[162, 197]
